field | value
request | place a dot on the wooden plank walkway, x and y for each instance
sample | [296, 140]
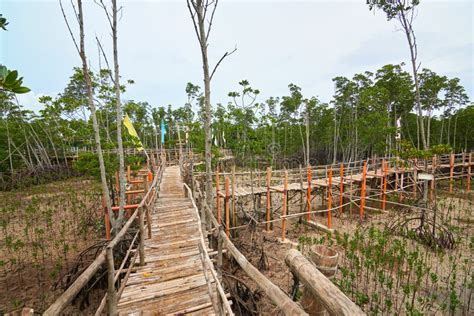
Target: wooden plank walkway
[172, 281]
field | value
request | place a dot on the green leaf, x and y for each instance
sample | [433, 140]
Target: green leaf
[3, 71]
[21, 90]
[11, 77]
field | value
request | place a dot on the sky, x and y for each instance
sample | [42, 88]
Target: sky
[278, 42]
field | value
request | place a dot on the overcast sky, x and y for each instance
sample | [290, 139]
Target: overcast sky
[278, 42]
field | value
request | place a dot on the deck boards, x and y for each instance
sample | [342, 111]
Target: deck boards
[172, 280]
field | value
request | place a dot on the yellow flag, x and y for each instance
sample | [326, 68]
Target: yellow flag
[131, 130]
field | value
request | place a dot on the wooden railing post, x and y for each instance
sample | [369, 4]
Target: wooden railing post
[330, 197]
[384, 188]
[415, 178]
[451, 172]
[141, 227]
[234, 218]
[468, 184]
[106, 219]
[284, 206]
[308, 193]
[128, 172]
[111, 292]
[227, 212]
[341, 187]
[218, 198]
[268, 180]
[362, 191]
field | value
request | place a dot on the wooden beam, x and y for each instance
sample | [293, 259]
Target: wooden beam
[284, 206]
[333, 299]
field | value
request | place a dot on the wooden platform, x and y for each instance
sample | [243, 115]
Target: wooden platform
[172, 280]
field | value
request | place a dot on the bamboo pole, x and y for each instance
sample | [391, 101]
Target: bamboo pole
[433, 169]
[468, 182]
[341, 187]
[415, 176]
[106, 219]
[350, 195]
[141, 246]
[284, 206]
[111, 292]
[308, 193]
[128, 172]
[218, 198]
[227, 213]
[269, 177]
[362, 191]
[234, 218]
[330, 197]
[384, 189]
[451, 172]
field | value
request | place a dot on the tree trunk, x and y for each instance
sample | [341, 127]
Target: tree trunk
[119, 117]
[407, 27]
[90, 102]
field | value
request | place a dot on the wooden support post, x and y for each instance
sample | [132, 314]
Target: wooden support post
[148, 216]
[400, 194]
[111, 292]
[218, 198]
[234, 218]
[128, 172]
[284, 206]
[468, 185]
[341, 187]
[362, 191]
[384, 189]
[415, 178]
[350, 195]
[308, 193]
[141, 227]
[227, 211]
[269, 178]
[117, 187]
[330, 197]
[106, 219]
[433, 170]
[451, 172]
[301, 191]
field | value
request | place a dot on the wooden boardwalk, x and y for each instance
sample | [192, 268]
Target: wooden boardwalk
[173, 280]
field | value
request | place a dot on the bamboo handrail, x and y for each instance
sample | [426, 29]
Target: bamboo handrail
[62, 301]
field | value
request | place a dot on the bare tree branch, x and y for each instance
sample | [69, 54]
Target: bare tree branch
[105, 57]
[220, 60]
[69, 27]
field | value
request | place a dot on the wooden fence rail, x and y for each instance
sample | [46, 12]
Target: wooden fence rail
[106, 256]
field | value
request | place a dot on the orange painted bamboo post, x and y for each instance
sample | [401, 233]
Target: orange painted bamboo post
[218, 198]
[283, 208]
[329, 197]
[308, 193]
[128, 172]
[362, 191]
[341, 187]
[468, 185]
[227, 211]
[451, 172]
[268, 180]
[384, 189]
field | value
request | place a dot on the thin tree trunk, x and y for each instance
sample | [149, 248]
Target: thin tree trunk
[119, 116]
[407, 27]
[90, 102]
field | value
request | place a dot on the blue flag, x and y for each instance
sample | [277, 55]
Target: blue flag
[163, 131]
